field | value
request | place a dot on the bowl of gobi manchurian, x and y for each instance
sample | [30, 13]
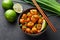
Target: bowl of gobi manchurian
[31, 22]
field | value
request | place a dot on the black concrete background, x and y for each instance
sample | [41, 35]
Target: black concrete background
[10, 31]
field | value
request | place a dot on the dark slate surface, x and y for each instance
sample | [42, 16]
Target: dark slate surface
[10, 31]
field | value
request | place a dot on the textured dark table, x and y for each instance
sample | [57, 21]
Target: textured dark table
[10, 31]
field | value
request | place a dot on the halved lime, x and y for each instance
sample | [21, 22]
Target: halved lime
[18, 8]
[44, 25]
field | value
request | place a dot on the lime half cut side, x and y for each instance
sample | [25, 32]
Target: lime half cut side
[18, 8]
[44, 25]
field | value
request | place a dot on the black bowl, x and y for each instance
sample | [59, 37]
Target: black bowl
[26, 11]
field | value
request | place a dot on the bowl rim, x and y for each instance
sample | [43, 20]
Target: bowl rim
[25, 32]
